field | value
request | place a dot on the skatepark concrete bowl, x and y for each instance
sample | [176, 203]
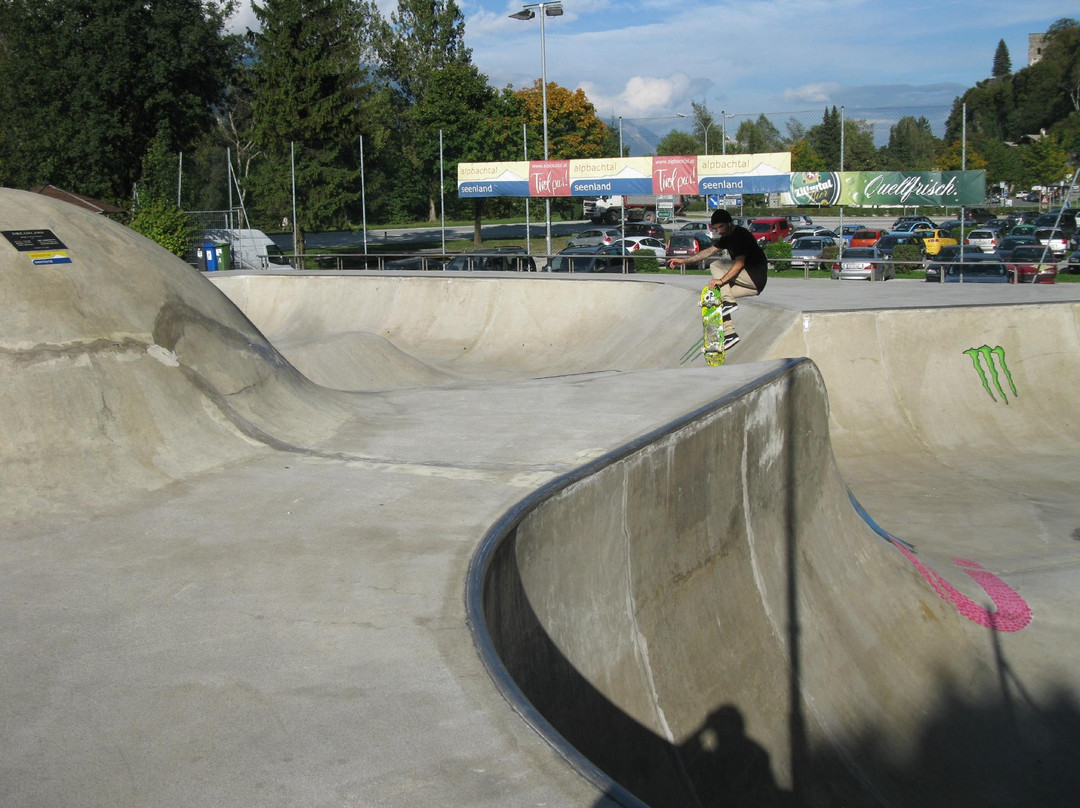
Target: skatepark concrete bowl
[347, 539]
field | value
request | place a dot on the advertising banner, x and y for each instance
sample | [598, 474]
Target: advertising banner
[680, 174]
[733, 174]
[493, 179]
[611, 175]
[888, 188]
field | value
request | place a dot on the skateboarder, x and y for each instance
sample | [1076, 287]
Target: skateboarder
[746, 273]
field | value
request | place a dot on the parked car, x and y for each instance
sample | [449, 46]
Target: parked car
[977, 216]
[985, 240]
[633, 244]
[1033, 265]
[950, 224]
[912, 218]
[1010, 242]
[807, 252]
[1074, 262]
[945, 256]
[862, 264]
[1065, 220]
[1023, 217]
[695, 226]
[590, 259]
[742, 221]
[979, 268]
[595, 237]
[684, 244]
[1022, 230]
[912, 226]
[1000, 224]
[651, 229]
[934, 240]
[493, 259]
[1056, 240]
[866, 238]
[770, 229]
[890, 241]
[849, 230]
[799, 220]
[815, 230]
[413, 263]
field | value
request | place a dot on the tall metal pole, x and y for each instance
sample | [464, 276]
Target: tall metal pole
[543, 89]
[363, 193]
[723, 132]
[528, 224]
[442, 193]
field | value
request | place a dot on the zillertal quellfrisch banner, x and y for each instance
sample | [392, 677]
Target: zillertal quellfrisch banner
[686, 174]
[888, 188]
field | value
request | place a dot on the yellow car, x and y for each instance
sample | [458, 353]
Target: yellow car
[934, 240]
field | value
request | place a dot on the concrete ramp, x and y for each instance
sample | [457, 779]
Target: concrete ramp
[454, 328]
[227, 583]
[125, 369]
[706, 618]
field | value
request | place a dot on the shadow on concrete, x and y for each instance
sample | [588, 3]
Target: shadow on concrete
[1004, 750]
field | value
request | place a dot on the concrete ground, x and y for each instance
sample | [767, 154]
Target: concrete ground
[332, 540]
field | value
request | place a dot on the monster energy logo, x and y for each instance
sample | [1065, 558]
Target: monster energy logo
[992, 357]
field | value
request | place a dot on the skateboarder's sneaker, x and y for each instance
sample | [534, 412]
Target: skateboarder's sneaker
[731, 339]
[727, 308]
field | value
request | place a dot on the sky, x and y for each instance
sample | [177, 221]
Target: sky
[647, 61]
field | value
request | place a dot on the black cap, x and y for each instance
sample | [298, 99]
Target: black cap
[720, 217]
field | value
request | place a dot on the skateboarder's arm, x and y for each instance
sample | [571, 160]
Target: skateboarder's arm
[732, 273]
[693, 259]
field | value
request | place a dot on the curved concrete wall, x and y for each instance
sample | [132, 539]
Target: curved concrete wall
[708, 619]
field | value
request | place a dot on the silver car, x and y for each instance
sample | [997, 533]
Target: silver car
[808, 252]
[862, 264]
[983, 238]
[595, 237]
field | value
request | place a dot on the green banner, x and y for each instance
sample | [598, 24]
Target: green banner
[889, 188]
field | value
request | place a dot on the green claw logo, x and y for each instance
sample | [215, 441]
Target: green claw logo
[992, 356]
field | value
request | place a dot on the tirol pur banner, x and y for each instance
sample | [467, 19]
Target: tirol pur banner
[681, 174]
[888, 188]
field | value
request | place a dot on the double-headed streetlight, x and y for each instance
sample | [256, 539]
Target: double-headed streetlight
[546, 9]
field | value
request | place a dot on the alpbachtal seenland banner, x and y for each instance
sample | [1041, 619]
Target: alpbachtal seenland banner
[688, 175]
[719, 174]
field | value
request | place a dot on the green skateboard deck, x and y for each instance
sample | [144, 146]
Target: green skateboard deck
[712, 320]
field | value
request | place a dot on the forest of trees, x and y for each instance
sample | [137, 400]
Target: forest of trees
[111, 98]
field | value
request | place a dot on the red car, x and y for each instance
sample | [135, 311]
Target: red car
[1032, 264]
[866, 238]
[687, 243]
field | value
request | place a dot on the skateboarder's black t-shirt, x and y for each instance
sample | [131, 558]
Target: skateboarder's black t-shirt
[741, 241]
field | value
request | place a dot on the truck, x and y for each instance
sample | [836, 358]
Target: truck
[248, 249]
[610, 209]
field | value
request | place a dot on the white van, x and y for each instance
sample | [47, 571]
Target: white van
[249, 249]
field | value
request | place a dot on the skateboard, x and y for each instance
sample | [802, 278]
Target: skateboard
[712, 321]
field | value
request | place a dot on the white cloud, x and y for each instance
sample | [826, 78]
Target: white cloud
[643, 96]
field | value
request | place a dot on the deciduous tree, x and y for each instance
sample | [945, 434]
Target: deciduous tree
[87, 84]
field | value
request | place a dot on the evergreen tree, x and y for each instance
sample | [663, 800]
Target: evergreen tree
[309, 96]
[1002, 62]
[437, 90]
[824, 138]
[912, 146]
[87, 84]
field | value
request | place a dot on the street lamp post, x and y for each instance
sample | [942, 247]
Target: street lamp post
[547, 9]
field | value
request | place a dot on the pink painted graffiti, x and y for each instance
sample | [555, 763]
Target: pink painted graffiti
[1012, 612]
